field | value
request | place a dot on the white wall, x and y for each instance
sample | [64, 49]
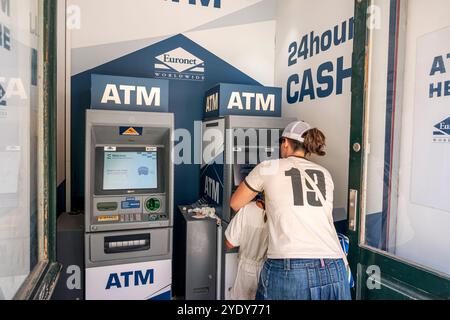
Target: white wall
[241, 32]
[296, 18]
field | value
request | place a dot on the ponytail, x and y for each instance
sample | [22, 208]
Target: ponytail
[314, 142]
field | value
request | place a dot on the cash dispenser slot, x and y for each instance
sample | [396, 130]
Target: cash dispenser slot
[127, 243]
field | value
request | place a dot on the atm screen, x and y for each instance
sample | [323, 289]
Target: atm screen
[130, 170]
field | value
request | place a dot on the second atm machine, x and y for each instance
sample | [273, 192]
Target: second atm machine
[242, 128]
[129, 198]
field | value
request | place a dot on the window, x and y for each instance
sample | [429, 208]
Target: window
[26, 139]
[407, 172]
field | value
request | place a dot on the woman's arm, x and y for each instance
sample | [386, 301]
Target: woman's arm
[242, 197]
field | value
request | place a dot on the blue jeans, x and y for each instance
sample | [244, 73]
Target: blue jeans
[303, 279]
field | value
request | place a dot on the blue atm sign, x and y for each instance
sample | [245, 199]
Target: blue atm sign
[243, 100]
[131, 278]
[129, 94]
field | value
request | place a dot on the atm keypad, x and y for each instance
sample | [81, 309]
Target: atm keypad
[131, 218]
[128, 210]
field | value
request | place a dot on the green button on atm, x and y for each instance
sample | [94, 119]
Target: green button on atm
[153, 205]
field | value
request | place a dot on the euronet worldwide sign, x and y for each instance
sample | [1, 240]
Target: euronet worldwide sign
[179, 64]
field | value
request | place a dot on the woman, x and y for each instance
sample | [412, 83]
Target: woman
[305, 259]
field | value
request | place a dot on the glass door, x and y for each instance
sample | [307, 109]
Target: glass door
[400, 150]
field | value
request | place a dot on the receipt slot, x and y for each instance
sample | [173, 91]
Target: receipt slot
[128, 203]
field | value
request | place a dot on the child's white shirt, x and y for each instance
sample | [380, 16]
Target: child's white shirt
[249, 232]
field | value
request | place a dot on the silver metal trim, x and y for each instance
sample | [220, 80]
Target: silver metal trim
[353, 209]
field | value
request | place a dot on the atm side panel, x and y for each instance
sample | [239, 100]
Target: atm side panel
[201, 260]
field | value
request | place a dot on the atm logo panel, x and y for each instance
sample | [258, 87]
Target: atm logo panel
[129, 94]
[179, 64]
[138, 281]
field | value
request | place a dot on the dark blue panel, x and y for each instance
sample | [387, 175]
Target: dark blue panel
[390, 117]
[341, 226]
[374, 230]
[61, 198]
[186, 101]
[163, 297]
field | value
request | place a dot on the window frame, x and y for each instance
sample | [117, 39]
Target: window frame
[41, 281]
[399, 279]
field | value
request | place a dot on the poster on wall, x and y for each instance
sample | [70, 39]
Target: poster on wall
[431, 154]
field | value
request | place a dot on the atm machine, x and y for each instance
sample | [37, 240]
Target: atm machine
[248, 142]
[128, 203]
[234, 142]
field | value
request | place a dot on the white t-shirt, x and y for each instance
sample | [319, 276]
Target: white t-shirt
[248, 231]
[300, 226]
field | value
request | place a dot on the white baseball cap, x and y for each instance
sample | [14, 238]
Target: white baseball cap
[296, 130]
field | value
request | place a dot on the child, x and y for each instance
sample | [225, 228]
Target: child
[248, 231]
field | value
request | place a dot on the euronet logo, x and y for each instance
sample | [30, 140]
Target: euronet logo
[179, 64]
[2, 96]
[441, 132]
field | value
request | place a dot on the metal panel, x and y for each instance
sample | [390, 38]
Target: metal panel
[242, 122]
[201, 253]
[160, 248]
[158, 129]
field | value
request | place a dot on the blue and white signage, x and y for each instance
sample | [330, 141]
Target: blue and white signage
[129, 94]
[242, 100]
[179, 64]
[442, 131]
[139, 281]
[431, 149]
